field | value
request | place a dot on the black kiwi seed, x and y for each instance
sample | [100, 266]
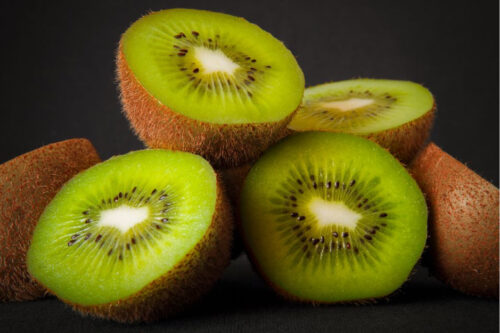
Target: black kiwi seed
[88, 220]
[87, 236]
[337, 184]
[86, 212]
[195, 33]
[383, 215]
[128, 246]
[164, 220]
[71, 242]
[293, 198]
[368, 237]
[133, 240]
[345, 234]
[301, 218]
[335, 234]
[294, 214]
[75, 236]
[109, 252]
[98, 238]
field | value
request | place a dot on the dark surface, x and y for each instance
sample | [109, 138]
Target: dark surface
[240, 302]
[58, 82]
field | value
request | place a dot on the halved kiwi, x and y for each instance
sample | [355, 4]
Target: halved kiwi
[207, 83]
[463, 223]
[136, 238]
[396, 114]
[27, 184]
[331, 217]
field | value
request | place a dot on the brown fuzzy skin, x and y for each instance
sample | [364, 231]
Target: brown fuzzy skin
[27, 184]
[405, 141]
[233, 179]
[185, 283]
[463, 223]
[158, 126]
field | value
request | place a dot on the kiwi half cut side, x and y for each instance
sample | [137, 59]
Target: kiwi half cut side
[27, 184]
[398, 115]
[136, 238]
[208, 83]
[332, 217]
[463, 223]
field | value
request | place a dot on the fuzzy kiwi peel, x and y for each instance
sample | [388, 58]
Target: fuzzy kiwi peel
[233, 180]
[27, 184]
[463, 223]
[137, 238]
[208, 83]
[323, 224]
[398, 115]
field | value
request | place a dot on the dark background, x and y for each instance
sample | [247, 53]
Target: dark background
[58, 82]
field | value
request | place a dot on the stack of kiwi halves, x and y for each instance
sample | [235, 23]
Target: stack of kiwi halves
[330, 215]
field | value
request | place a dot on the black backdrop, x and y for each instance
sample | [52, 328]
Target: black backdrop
[58, 82]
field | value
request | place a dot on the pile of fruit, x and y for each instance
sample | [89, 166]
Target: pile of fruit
[333, 191]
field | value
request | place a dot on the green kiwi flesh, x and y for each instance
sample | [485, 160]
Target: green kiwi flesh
[120, 226]
[361, 106]
[213, 67]
[332, 217]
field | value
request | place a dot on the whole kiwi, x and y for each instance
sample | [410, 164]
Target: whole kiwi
[463, 223]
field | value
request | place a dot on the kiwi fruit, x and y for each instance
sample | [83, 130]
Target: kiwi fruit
[136, 238]
[332, 218]
[233, 179]
[27, 184]
[398, 115]
[208, 83]
[463, 223]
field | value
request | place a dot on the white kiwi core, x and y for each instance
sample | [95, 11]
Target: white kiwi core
[348, 104]
[333, 213]
[214, 61]
[123, 217]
